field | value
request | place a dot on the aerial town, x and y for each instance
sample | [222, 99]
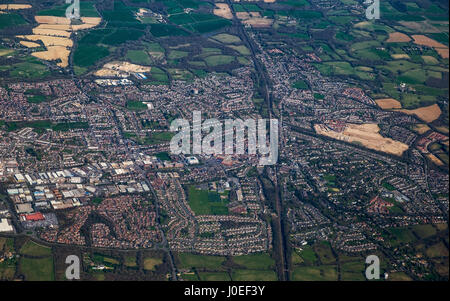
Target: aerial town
[85, 140]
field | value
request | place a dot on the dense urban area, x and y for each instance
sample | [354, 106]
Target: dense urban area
[86, 167]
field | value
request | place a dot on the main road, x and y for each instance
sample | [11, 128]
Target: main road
[264, 84]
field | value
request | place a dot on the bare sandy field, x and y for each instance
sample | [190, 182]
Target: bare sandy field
[223, 10]
[65, 27]
[120, 69]
[55, 32]
[29, 44]
[51, 32]
[242, 15]
[400, 56]
[91, 20]
[435, 159]
[259, 22]
[366, 134]
[14, 6]
[396, 37]
[427, 114]
[48, 40]
[52, 20]
[421, 128]
[388, 103]
[54, 53]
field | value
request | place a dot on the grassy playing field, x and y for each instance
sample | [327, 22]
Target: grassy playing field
[204, 202]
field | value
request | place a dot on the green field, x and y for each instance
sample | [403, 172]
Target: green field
[424, 231]
[204, 202]
[11, 20]
[241, 49]
[188, 261]
[177, 54]
[401, 236]
[86, 55]
[227, 38]
[255, 261]
[46, 125]
[136, 106]
[33, 249]
[308, 255]
[324, 252]
[353, 271]
[315, 273]
[130, 261]
[437, 250]
[300, 84]
[216, 60]
[138, 57]
[151, 263]
[253, 275]
[158, 76]
[214, 276]
[37, 269]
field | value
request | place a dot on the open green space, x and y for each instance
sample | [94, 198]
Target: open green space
[33, 249]
[315, 273]
[37, 269]
[11, 20]
[204, 202]
[253, 275]
[188, 261]
[261, 261]
[138, 57]
[214, 276]
[150, 263]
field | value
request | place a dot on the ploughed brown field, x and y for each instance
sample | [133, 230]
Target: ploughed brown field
[426, 41]
[398, 37]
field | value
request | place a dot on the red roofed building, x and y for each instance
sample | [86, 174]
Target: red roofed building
[35, 217]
